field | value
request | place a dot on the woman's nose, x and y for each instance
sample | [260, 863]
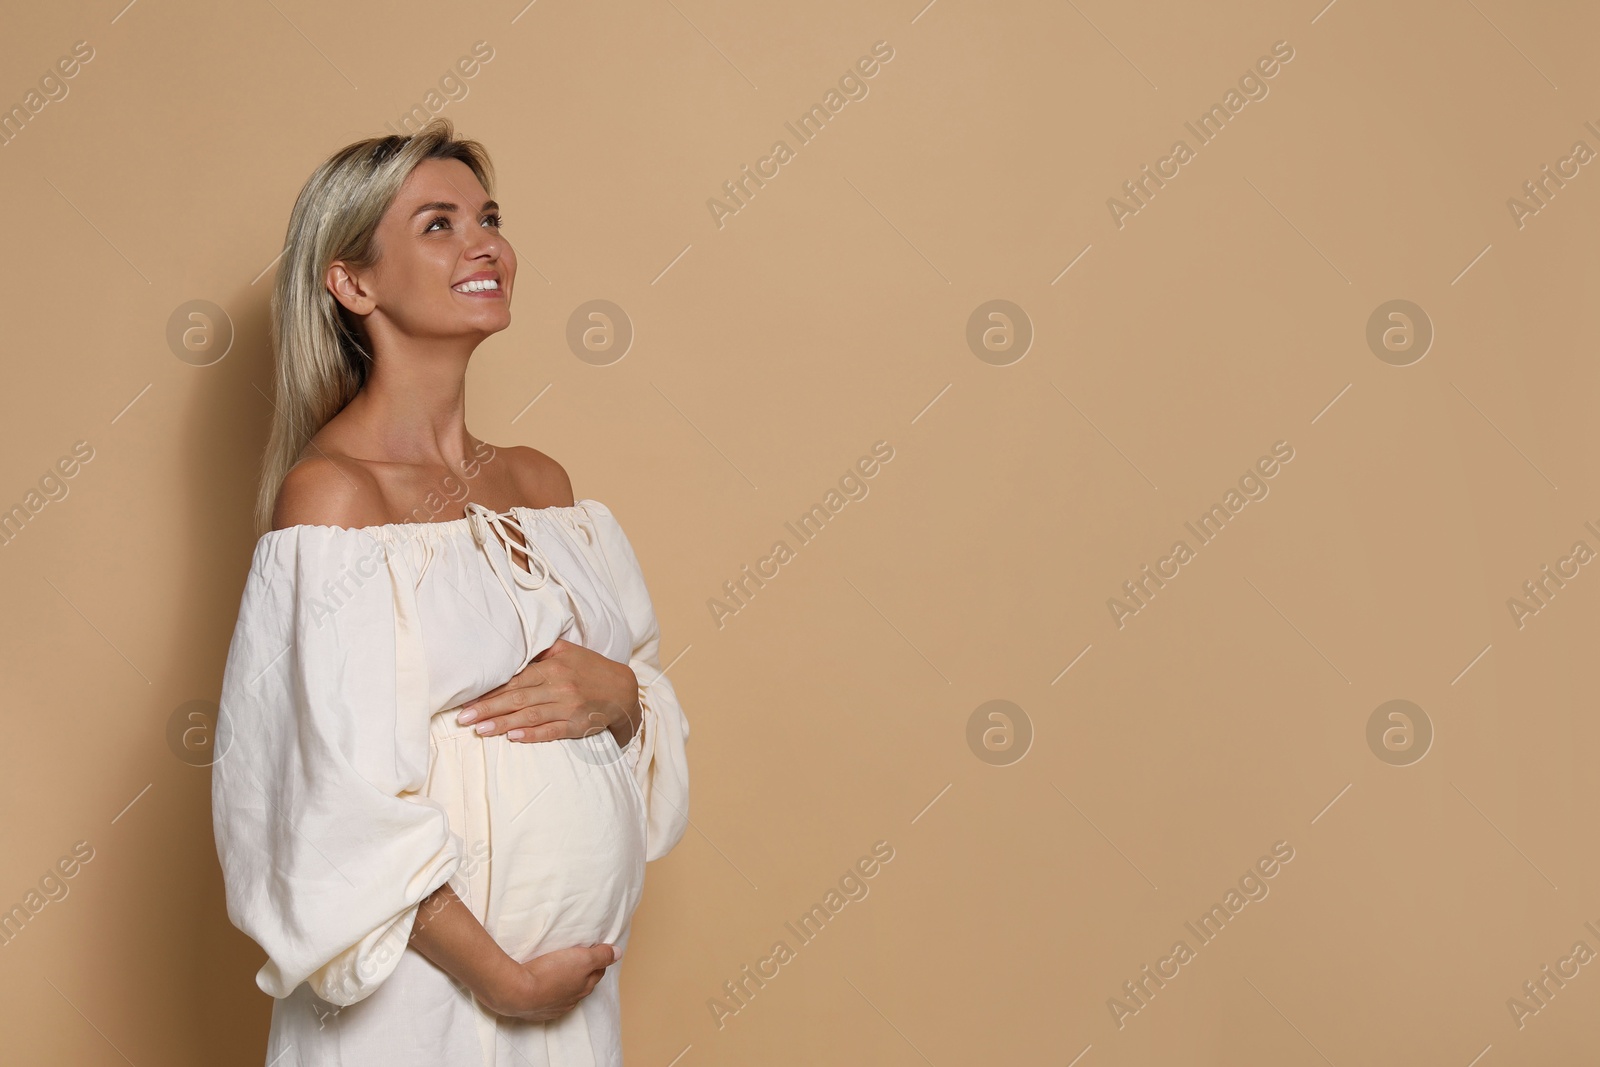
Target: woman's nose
[488, 243]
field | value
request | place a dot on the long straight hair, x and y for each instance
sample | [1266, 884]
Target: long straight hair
[320, 352]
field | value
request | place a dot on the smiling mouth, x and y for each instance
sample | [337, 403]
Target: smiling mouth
[482, 287]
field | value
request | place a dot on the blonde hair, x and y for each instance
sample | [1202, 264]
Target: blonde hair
[319, 349]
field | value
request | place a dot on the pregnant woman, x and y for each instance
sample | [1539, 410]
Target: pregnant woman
[446, 746]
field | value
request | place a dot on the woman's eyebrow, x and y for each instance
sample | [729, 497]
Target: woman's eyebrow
[441, 205]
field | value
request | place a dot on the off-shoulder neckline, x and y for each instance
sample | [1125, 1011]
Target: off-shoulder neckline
[441, 525]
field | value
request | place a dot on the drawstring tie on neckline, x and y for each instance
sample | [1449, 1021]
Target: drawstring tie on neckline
[490, 530]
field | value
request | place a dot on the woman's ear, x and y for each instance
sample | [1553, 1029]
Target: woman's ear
[349, 288]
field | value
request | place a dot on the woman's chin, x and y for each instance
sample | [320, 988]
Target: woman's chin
[483, 325]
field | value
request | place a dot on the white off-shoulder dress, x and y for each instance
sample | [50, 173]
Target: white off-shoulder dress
[344, 792]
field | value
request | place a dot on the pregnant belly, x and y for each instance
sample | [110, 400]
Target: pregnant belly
[554, 835]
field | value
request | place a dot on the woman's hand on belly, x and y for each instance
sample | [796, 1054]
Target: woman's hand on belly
[546, 987]
[566, 691]
[549, 986]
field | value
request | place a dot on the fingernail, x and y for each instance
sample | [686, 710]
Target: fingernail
[484, 727]
[466, 715]
[514, 735]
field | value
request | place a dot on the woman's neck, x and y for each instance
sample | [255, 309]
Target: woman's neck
[413, 410]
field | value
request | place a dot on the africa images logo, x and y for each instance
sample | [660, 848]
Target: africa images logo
[1252, 886]
[852, 86]
[1205, 129]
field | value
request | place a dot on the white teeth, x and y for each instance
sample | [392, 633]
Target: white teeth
[477, 286]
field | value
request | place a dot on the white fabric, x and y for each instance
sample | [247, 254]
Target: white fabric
[346, 792]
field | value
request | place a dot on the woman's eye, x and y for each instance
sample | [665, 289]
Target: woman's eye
[494, 220]
[437, 219]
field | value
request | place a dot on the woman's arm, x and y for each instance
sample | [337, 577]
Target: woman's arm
[544, 988]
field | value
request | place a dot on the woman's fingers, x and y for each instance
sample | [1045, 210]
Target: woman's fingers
[535, 673]
[504, 701]
[494, 722]
[486, 710]
[540, 731]
[547, 719]
[532, 674]
[586, 724]
[539, 722]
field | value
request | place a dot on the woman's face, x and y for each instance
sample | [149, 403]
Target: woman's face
[443, 269]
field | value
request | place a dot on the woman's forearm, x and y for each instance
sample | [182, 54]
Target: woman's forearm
[447, 933]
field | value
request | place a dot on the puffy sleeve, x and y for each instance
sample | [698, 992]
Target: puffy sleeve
[656, 752]
[322, 740]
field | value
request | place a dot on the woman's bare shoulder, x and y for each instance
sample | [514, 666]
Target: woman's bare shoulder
[329, 490]
[539, 480]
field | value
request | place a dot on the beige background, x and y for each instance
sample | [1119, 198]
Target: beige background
[830, 313]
